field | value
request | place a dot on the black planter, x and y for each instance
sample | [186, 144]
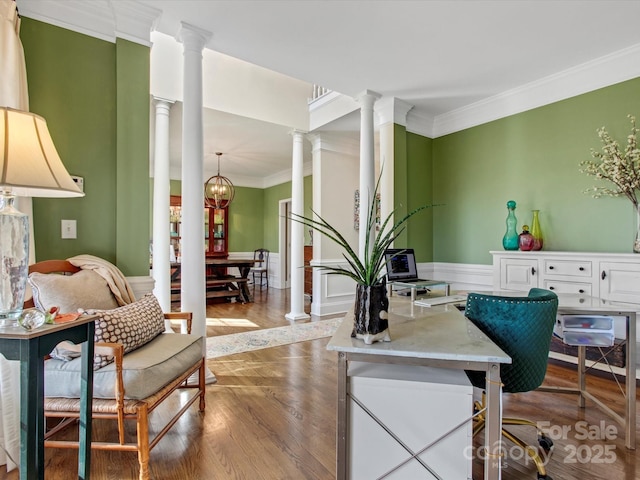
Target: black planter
[370, 313]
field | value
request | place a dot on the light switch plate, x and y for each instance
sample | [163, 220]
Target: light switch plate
[69, 229]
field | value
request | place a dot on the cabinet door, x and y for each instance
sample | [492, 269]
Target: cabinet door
[218, 228]
[620, 281]
[518, 274]
[216, 241]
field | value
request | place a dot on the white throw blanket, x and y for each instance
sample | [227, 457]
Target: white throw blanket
[114, 277]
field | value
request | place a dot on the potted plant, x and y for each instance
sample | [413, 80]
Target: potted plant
[371, 305]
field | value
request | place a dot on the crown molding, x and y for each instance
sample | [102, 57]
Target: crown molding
[286, 175]
[175, 173]
[602, 72]
[336, 142]
[420, 122]
[135, 21]
[103, 19]
[392, 110]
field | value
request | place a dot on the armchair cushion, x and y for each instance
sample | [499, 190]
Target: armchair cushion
[145, 370]
[131, 325]
[85, 289]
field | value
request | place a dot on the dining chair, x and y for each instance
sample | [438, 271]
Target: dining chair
[261, 267]
[522, 327]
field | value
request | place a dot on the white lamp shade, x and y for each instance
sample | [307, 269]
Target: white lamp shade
[29, 163]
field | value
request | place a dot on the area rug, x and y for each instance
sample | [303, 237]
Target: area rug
[270, 337]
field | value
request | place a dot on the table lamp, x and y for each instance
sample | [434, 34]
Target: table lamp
[30, 167]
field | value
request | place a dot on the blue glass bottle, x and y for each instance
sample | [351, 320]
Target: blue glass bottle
[510, 239]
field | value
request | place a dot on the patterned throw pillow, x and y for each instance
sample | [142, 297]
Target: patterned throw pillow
[132, 325]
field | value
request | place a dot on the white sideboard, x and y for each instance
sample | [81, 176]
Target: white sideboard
[611, 276]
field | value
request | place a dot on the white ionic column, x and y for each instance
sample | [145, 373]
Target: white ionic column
[297, 230]
[367, 167]
[161, 192]
[192, 275]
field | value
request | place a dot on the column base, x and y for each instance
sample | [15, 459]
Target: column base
[292, 316]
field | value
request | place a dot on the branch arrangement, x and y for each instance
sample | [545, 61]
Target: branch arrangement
[620, 167]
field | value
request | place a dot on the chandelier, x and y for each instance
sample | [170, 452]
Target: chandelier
[218, 191]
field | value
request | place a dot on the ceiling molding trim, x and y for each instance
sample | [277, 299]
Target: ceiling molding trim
[599, 73]
[102, 19]
[135, 21]
[286, 176]
[392, 110]
[336, 142]
[420, 123]
[89, 18]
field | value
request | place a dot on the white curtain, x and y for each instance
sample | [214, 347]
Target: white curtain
[14, 94]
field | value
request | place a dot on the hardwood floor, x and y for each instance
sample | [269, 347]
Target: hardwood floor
[271, 416]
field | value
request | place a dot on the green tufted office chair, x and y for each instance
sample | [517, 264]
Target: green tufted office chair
[522, 327]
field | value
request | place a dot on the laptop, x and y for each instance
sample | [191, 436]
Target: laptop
[401, 265]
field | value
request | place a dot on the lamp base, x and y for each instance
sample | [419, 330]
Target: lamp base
[14, 259]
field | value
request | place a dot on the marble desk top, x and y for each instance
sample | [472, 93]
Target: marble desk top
[440, 332]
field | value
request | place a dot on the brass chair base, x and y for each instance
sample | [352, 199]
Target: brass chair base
[545, 442]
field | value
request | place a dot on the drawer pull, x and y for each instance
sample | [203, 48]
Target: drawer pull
[550, 267]
[552, 288]
[581, 291]
[581, 269]
[533, 271]
[604, 275]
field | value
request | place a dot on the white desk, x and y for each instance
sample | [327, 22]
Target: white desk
[584, 305]
[438, 336]
[575, 304]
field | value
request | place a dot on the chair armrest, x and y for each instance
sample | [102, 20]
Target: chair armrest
[186, 316]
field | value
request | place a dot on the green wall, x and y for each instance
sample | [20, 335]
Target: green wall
[95, 97]
[72, 84]
[271, 214]
[532, 158]
[132, 164]
[253, 215]
[246, 227]
[419, 233]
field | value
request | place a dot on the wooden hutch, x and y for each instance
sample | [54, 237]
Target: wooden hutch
[216, 229]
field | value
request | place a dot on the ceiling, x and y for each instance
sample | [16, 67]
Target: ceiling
[252, 150]
[440, 56]
[436, 55]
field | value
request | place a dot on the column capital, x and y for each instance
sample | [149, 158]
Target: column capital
[296, 132]
[192, 37]
[162, 100]
[367, 97]
[162, 105]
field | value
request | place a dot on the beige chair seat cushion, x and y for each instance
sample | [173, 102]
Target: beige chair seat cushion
[145, 370]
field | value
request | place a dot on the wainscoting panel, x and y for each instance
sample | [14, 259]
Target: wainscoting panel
[461, 276]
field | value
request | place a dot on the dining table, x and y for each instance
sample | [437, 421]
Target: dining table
[220, 281]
